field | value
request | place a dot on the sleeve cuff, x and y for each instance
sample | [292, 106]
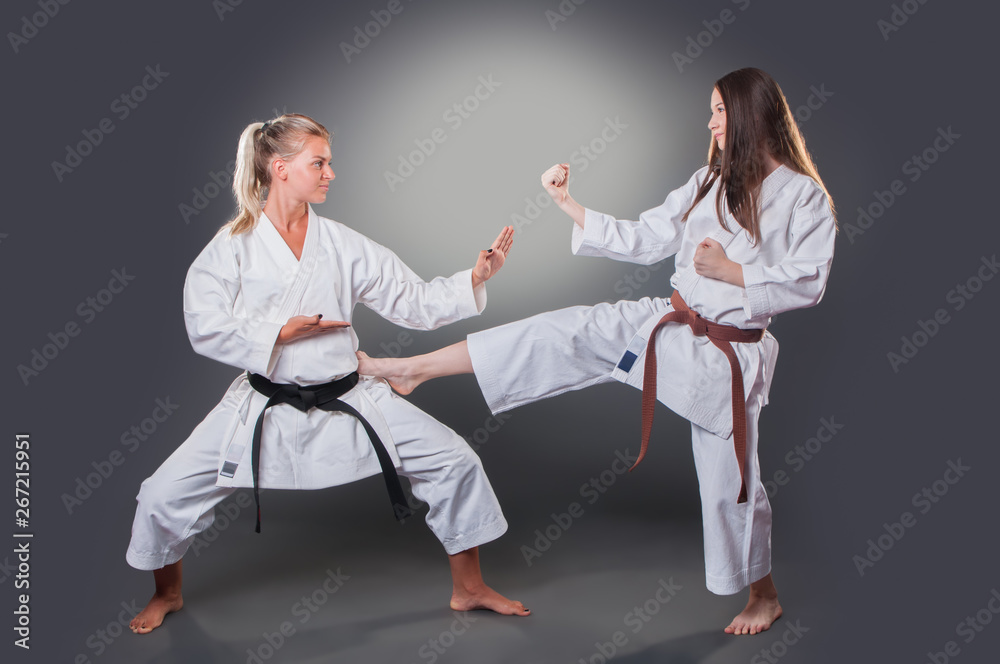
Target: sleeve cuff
[755, 302]
[471, 301]
[267, 350]
[587, 237]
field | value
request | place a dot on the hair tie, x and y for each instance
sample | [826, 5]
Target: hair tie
[265, 126]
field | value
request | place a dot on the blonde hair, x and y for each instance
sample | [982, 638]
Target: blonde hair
[260, 144]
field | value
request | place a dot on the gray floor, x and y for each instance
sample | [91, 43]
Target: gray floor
[392, 604]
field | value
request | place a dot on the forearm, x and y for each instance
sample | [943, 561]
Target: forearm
[733, 274]
[576, 211]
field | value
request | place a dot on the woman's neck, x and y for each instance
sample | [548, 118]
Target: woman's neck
[284, 212]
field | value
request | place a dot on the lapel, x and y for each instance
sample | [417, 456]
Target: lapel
[770, 186]
[293, 272]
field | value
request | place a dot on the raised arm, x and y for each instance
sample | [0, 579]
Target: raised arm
[656, 235]
[396, 293]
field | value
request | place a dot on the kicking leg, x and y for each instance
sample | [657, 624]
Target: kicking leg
[470, 592]
[404, 374]
[166, 599]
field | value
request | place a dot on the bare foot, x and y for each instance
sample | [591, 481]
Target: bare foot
[393, 370]
[485, 597]
[757, 617]
[152, 616]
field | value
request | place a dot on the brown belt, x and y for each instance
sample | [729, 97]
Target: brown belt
[721, 336]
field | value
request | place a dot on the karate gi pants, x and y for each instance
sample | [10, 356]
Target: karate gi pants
[573, 348]
[177, 502]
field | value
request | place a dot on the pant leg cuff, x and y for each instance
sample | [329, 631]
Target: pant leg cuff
[482, 535]
[730, 585]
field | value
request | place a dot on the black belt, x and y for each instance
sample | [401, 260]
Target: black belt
[325, 397]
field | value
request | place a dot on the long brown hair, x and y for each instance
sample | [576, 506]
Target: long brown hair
[261, 143]
[758, 122]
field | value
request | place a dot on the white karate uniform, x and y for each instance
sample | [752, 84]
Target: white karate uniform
[238, 294]
[572, 348]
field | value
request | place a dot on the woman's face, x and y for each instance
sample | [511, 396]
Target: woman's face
[717, 123]
[309, 172]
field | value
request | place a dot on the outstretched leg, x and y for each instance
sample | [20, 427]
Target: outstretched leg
[761, 611]
[166, 599]
[470, 592]
[404, 374]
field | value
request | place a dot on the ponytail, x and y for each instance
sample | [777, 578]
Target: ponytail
[260, 144]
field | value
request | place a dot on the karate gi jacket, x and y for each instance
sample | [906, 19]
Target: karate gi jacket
[787, 269]
[242, 289]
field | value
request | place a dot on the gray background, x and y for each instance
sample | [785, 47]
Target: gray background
[120, 208]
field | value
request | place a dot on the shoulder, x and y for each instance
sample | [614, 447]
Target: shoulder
[346, 237]
[806, 193]
[223, 248]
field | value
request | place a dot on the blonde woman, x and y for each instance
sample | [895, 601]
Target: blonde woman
[273, 294]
